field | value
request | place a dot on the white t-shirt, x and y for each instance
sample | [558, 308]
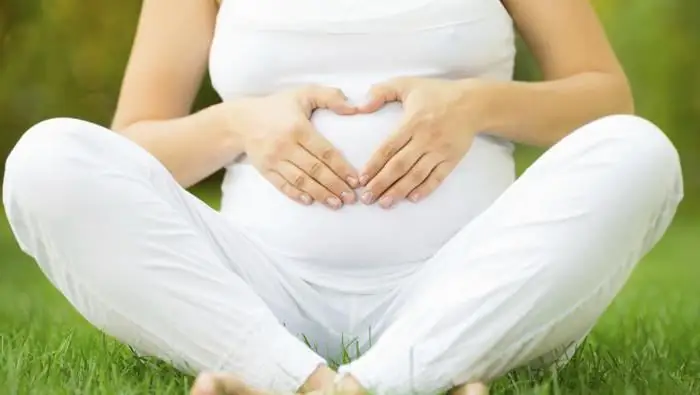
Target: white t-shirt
[262, 46]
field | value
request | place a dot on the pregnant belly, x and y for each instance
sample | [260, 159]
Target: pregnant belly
[359, 235]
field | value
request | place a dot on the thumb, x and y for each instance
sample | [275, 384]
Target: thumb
[330, 98]
[385, 92]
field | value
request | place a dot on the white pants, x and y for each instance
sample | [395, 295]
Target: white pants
[149, 263]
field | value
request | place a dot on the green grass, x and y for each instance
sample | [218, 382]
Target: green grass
[648, 342]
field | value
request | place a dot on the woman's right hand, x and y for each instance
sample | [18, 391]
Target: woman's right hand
[281, 142]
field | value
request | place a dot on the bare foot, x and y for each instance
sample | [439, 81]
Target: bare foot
[228, 384]
[222, 384]
[320, 383]
[349, 386]
[470, 389]
[322, 379]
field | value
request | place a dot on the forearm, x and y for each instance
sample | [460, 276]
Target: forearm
[541, 113]
[192, 147]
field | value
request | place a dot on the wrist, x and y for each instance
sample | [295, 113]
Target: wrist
[480, 102]
[229, 119]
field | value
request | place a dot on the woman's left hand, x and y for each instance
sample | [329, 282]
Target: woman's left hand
[438, 128]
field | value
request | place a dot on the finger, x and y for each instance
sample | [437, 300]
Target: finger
[322, 174]
[303, 182]
[384, 154]
[378, 95]
[288, 189]
[399, 165]
[409, 182]
[330, 98]
[386, 92]
[324, 151]
[436, 177]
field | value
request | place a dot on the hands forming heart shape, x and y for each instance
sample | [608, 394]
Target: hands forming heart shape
[439, 125]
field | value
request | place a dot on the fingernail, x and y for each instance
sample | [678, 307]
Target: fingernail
[386, 202]
[306, 199]
[352, 181]
[364, 179]
[367, 197]
[347, 197]
[334, 202]
[415, 196]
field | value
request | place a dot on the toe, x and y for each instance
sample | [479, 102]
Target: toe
[205, 385]
[222, 384]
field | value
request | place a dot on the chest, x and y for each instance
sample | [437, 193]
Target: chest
[262, 46]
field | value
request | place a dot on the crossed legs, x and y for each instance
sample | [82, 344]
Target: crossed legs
[153, 266]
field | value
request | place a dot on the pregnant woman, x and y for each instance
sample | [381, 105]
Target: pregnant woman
[369, 202]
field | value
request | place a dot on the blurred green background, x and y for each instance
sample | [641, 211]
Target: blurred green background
[66, 58]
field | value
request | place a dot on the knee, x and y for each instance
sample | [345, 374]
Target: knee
[636, 144]
[50, 159]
